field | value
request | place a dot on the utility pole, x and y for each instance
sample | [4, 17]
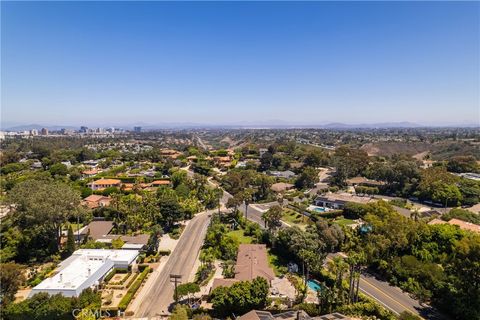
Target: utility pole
[175, 278]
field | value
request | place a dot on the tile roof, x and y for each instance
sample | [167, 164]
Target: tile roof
[219, 282]
[99, 229]
[281, 186]
[95, 198]
[465, 225]
[106, 182]
[457, 222]
[160, 182]
[252, 262]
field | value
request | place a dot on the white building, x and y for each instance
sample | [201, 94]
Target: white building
[86, 268]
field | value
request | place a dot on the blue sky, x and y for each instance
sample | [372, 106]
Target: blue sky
[223, 62]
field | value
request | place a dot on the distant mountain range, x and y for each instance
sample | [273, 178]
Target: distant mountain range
[242, 125]
[39, 127]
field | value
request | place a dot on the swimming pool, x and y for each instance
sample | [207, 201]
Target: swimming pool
[318, 209]
[314, 285]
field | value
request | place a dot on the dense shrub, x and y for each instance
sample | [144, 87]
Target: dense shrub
[133, 289]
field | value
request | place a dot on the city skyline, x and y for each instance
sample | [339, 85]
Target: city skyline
[240, 63]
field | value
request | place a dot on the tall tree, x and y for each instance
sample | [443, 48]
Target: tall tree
[70, 246]
[11, 277]
[272, 217]
[43, 206]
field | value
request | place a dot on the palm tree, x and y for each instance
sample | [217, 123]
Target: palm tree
[415, 214]
[247, 196]
[355, 262]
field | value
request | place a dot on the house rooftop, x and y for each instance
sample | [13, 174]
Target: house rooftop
[345, 197]
[457, 222]
[363, 180]
[84, 268]
[106, 182]
[95, 198]
[252, 262]
[283, 174]
[465, 225]
[281, 186]
[99, 229]
[219, 282]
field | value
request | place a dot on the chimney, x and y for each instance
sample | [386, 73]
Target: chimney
[89, 272]
[299, 317]
[61, 277]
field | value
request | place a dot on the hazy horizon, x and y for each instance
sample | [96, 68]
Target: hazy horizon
[217, 63]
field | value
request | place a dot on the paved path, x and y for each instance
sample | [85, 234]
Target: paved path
[181, 261]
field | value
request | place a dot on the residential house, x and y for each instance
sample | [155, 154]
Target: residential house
[460, 223]
[223, 162]
[281, 187]
[88, 173]
[158, 183]
[85, 268]
[170, 153]
[94, 201]
[338, 200]
[99, 231]
[91, 163]
[362, 181]
[252, 262]
[287, 174]
[102, 184]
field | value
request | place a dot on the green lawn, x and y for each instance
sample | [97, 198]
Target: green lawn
[278, 264]
[344, 222]
[240, 236]
[294, 218]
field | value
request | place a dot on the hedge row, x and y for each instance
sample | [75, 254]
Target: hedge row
[328, 214]
[114, 272]
[164, 252]
[135, 275]
[133, 289]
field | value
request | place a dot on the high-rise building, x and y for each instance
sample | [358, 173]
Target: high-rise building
[83, 129]
[44, 132]
[137, 129]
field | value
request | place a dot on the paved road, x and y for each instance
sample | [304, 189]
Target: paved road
[390, 297]
[181, 261]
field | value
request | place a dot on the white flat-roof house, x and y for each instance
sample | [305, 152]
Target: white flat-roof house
[85, 268]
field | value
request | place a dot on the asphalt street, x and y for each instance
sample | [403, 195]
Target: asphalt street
[181, 261]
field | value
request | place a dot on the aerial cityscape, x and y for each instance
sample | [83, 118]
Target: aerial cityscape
[240, 160]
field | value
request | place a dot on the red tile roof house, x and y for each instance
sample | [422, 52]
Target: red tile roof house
[158, 183]
[90, 173]
[104, 183]
[96, 201]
